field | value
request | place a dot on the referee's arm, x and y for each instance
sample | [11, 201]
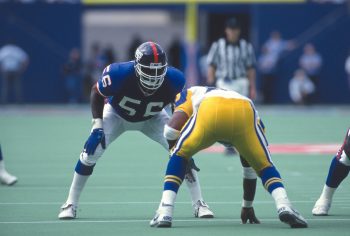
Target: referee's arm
[251, 72]
[212, 61]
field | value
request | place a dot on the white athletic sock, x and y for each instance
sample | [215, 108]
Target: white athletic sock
[194, 188]
[76, 188]
[327, 193]
[168, 197]
[166, 205]
[281, 198]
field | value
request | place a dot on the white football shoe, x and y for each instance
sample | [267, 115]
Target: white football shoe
[163, 217]
[6, 178]
[201, 210]
[68, 212]
[321, 207]
[291, 217]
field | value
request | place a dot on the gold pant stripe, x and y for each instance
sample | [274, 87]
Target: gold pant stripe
[271, 179]
[274, 181]
[173, 177]
[172, 180]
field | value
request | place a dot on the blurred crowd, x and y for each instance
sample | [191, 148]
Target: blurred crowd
[304, 84]
[80, 73]
[43, 1]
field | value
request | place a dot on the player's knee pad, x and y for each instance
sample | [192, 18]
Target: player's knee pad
[249, 173]
[90, 160]
[83, 169]
[345, 160]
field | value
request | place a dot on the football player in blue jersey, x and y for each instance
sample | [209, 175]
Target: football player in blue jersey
[338, 171]
[137, 93]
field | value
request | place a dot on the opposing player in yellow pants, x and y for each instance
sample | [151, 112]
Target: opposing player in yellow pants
[207, 115]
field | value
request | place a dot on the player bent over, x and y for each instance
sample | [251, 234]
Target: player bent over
[137, 91]
[339, 169]
[208, 115]
[5, 177]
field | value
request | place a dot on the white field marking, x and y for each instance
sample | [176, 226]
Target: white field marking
[112, 187]
[136, 202]
[147, 220]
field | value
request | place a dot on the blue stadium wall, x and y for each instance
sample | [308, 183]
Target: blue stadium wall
[48, 31]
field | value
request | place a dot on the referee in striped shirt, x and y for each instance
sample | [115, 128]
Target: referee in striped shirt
[232, 62]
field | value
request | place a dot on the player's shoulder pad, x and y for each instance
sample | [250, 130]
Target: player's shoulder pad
[176, 79]
[113, 78]
[119, 70]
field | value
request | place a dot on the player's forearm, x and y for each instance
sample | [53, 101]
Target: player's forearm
[249, 183]
[211, 75]
[249, 188]
[175, 124]
[97, 103]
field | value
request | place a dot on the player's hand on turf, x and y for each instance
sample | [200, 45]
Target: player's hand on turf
[96, 137]
[248, 215]
[189, 175]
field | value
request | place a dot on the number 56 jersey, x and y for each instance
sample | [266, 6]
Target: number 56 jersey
[121, 86]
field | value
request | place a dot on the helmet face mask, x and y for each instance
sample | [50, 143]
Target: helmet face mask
[151, 77]
[150, 66]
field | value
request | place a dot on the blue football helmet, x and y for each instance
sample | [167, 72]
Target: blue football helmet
[150, 66]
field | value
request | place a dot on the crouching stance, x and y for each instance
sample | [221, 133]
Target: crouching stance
[339, 169]
[208, 115]
[137, 93]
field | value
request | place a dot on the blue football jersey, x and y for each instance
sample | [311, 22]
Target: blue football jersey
[120, 85]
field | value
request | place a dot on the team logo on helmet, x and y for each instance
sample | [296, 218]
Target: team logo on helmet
[138, 54]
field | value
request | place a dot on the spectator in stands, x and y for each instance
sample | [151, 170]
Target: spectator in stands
[13, 62]
[301, 89]
[72, 76]
[109, 56]
[267, 64]
[95, 63]
[176, 54]
[329, 1]
[92, 69]
[276, 45]
[311, 63]
[136, 41]
[347, 68]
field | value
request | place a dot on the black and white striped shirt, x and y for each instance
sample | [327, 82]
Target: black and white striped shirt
[231, 60]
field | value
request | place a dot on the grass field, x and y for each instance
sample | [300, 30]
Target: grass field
[41, 146]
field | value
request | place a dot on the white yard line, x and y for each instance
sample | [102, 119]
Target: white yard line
[147, 220]
[136, 202]
[110, 187]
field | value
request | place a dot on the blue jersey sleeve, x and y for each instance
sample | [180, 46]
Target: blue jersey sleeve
[110, 82]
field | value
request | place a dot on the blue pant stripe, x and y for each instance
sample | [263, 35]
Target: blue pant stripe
[267, 153]
[185, 133]
[263, 134]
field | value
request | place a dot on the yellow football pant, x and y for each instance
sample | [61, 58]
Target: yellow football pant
[232, 121]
